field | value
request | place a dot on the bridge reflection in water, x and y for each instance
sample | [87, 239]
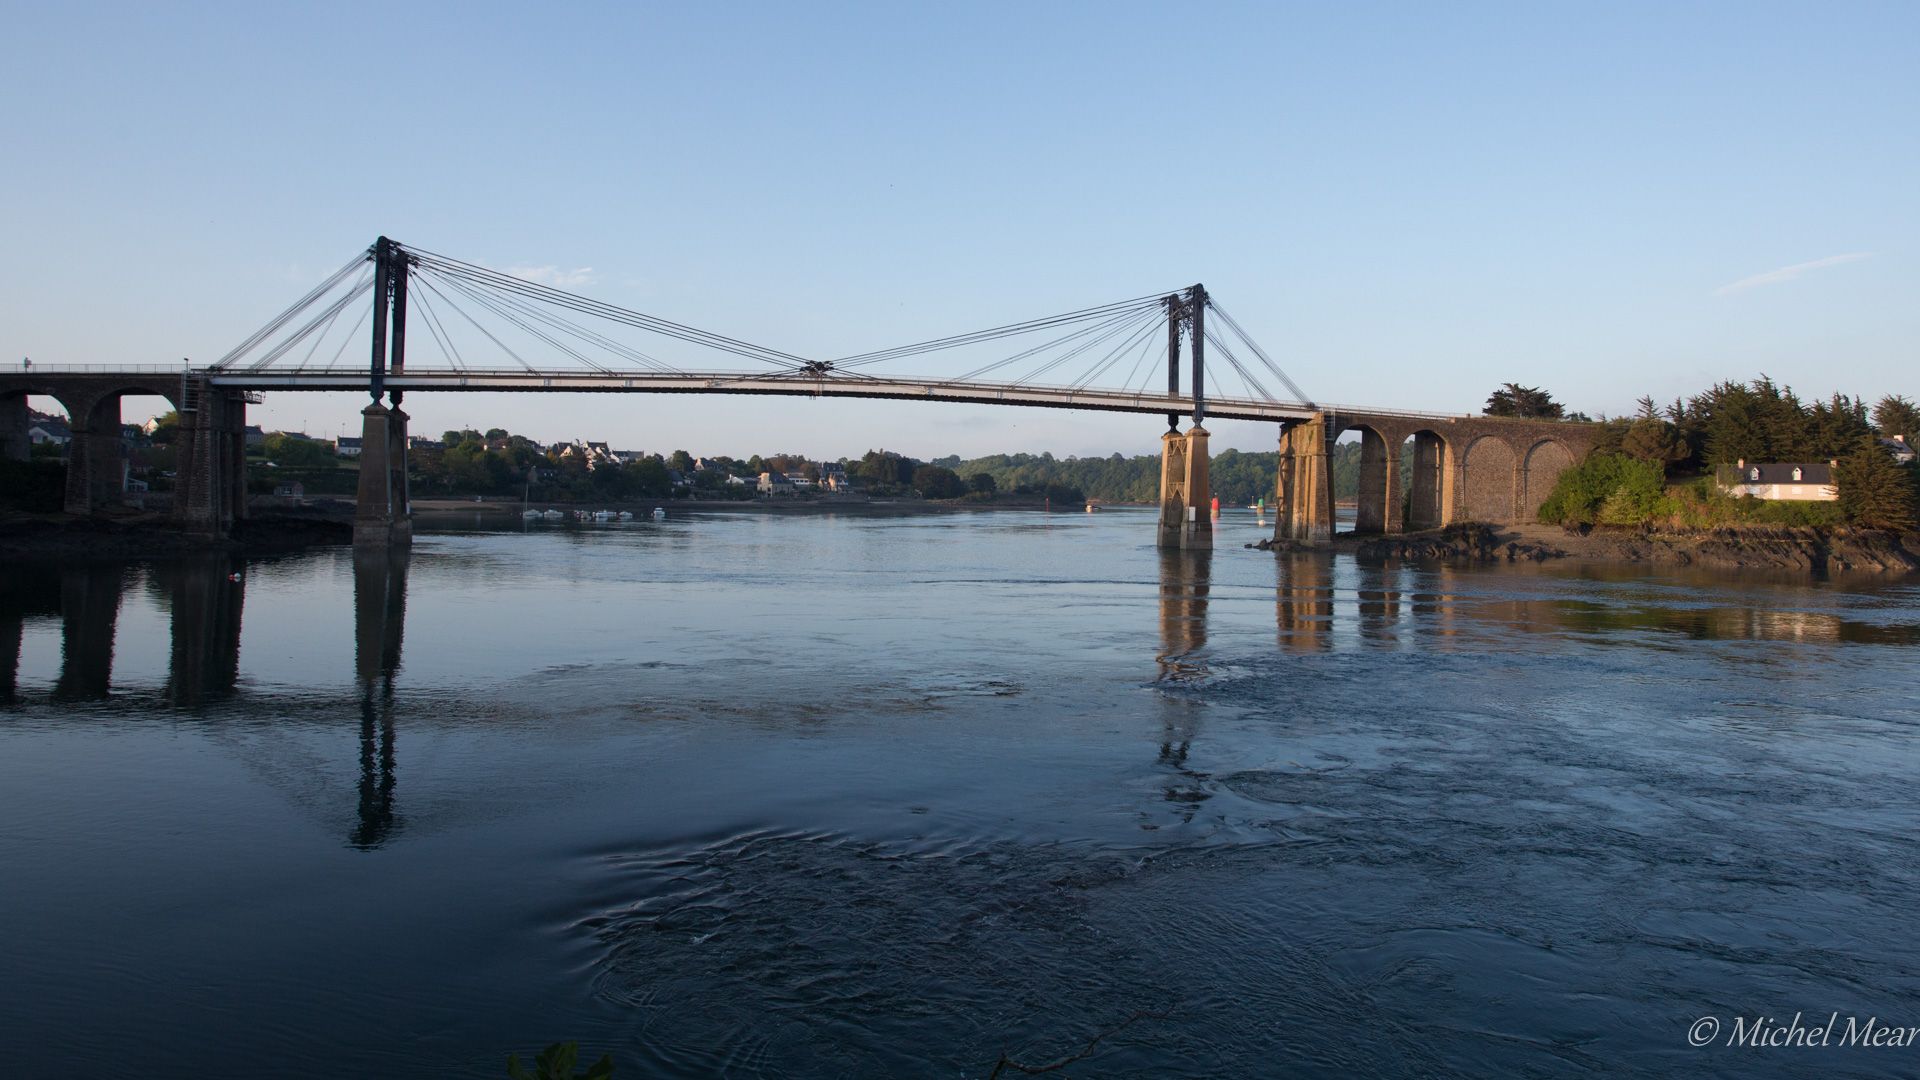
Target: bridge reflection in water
[379, 619]
[1321, 605]
[204, 598]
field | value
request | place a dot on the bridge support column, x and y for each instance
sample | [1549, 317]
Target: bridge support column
[382, 516]
[96, 458]
[14, 443]
[1186, 494]
[1427, 486]
[1304, 501]
[210, 490]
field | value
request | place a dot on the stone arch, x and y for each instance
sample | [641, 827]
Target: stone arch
[1426, 483]
[1488, 480]
[96, 459]
[1545, 461]
[1373, 509]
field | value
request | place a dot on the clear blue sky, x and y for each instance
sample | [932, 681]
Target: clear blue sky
[1406, 204]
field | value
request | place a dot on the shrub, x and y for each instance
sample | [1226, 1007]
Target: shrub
[1608, 489]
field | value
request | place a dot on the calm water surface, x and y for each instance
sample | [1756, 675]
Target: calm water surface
[841, 796]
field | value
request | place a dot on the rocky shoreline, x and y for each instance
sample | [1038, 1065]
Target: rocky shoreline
[1803, 550]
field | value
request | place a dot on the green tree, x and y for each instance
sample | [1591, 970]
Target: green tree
[983, 483]
[1895, 415]
[680, 461]
[165, 427]
[936, 482]
[1513, 399]
[288, 452]
[1875, 491]
[1653, 439]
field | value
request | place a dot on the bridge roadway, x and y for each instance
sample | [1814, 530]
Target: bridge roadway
[733, 382]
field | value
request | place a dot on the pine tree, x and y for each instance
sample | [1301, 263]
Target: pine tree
[1895, 415]
[1875, 491]
[1513, 399]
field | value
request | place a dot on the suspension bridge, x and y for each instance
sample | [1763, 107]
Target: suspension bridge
[397, 319]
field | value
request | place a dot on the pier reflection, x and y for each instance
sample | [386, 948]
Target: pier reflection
[379, 618]
[89, 612]
[1304, 603]
[1379, 598]
[22, 596]
[1186, 579]
[205, 596]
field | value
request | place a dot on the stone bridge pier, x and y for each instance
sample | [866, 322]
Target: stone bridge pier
[1423, 472]
[1186, 494]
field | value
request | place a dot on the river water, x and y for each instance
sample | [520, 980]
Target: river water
[828, 796]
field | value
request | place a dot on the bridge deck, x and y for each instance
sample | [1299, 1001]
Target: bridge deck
[891, 389]
[167, 380]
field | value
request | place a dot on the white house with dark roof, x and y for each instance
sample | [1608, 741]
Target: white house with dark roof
[1783, 481]
[49, 431]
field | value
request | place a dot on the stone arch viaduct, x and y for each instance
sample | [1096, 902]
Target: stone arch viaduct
[1424, 471]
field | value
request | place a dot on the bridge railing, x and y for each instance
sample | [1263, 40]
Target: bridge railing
[102, 369]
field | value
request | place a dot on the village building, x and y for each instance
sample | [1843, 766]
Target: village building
[1783, 481]
[49, 431]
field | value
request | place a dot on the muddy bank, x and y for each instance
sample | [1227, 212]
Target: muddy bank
[137, 538]
[1470, 543]
[1803, 550]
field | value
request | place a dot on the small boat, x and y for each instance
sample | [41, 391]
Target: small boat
[554, 515]
[530, 515]
[1091, 508]
[603, 515]
[659, 514]
[624, 515]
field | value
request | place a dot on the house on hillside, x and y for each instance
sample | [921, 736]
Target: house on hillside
[256, 437]
[833, 477]
[49, 431]
[1897, 446]
[773, 483]
[346, 446]
[1782, 481]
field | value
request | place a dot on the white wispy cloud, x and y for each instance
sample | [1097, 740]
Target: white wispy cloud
[555, 276]
[1788, 273]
